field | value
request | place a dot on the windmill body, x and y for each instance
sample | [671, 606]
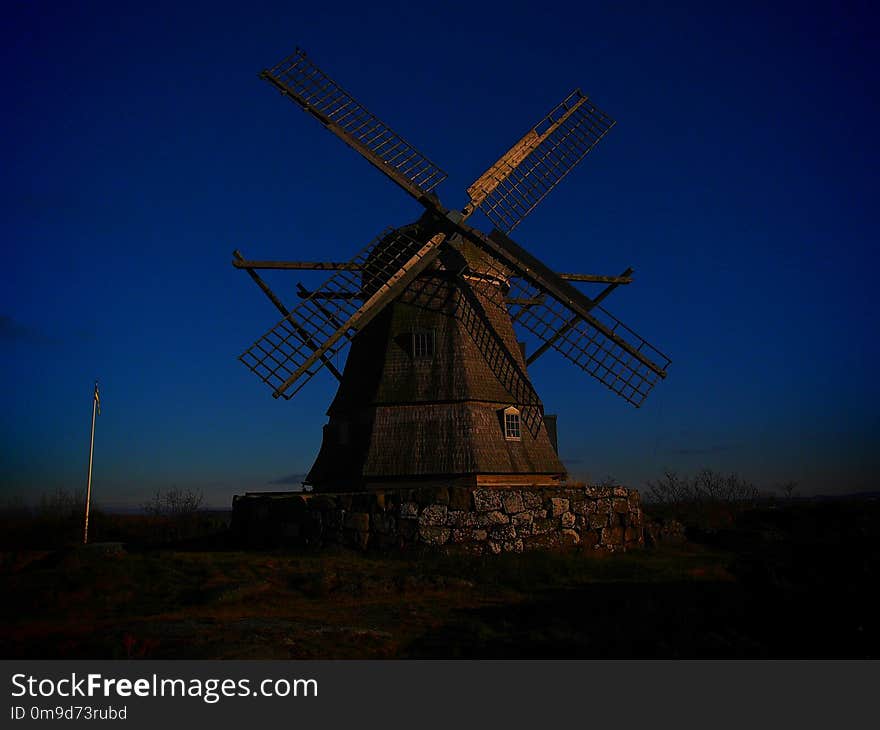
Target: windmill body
[435, 388]
[421, 403]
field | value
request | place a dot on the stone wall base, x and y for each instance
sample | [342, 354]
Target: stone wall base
[471, 519]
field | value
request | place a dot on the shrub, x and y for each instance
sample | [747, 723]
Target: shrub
[707, 486]
[174, 502]
[706, 501]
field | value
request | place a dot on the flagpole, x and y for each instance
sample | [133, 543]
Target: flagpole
[91, 454]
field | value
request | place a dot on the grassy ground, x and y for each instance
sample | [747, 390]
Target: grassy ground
[772, 585]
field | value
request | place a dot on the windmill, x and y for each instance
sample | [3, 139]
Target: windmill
[435, 388]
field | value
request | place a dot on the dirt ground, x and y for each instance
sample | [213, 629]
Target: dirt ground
[776, 584]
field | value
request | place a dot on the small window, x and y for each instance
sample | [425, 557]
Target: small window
[423, 344]
[511, 424]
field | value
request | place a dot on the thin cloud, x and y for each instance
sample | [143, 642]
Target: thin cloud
[15, 332]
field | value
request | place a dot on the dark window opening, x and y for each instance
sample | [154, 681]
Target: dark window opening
[423, 344]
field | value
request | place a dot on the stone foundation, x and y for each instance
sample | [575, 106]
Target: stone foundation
[471, 519]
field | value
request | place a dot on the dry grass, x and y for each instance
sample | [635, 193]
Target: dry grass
[778, 583]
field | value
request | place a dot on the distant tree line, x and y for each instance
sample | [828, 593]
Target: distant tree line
[706, 485]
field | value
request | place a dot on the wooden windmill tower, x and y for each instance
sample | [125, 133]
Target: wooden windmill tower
[435, 387]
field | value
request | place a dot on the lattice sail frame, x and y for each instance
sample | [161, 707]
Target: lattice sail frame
[284, 350]
[588, 348]
[552, 322]
[507, 192]
[306, 84]
[523, 177]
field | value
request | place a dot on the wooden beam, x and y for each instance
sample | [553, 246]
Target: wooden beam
[597, 278]
[391, 167]
[238, 258]
[304, 293]
[508, 251]
[297, 265]
[524, 301]
[340, 266]
[385, 294]
[510, 160]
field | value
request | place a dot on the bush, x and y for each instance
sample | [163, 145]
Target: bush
[174, 502]
[707, 486]
[706, 501]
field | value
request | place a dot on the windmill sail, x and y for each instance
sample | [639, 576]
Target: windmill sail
[307, 85]
[624, 370]
[509, 190]
[322, 325]
[563, 318]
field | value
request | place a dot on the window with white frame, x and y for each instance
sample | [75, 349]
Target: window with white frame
[423, 344]
[511, 424]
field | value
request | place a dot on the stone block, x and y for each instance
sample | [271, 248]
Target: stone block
[512, 502]
[434, 535]
[512, 546]
[409, 509]
[433, 514]
[468, 535]
[455, 518]
[522, 519]
[598, 521]
[487, 500]
[569, 538]
[578, 504]
[532, 498]
[621, 506]
[495, 518]
[503, 532]
[567, 520]
[558, 506]
[548, 541]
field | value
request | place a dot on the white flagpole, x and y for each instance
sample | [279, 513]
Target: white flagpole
[91, 454]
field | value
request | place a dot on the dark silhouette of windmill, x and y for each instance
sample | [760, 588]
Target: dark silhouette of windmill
[435, 386]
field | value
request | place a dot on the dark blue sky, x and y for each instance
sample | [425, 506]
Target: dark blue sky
[139, 149]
